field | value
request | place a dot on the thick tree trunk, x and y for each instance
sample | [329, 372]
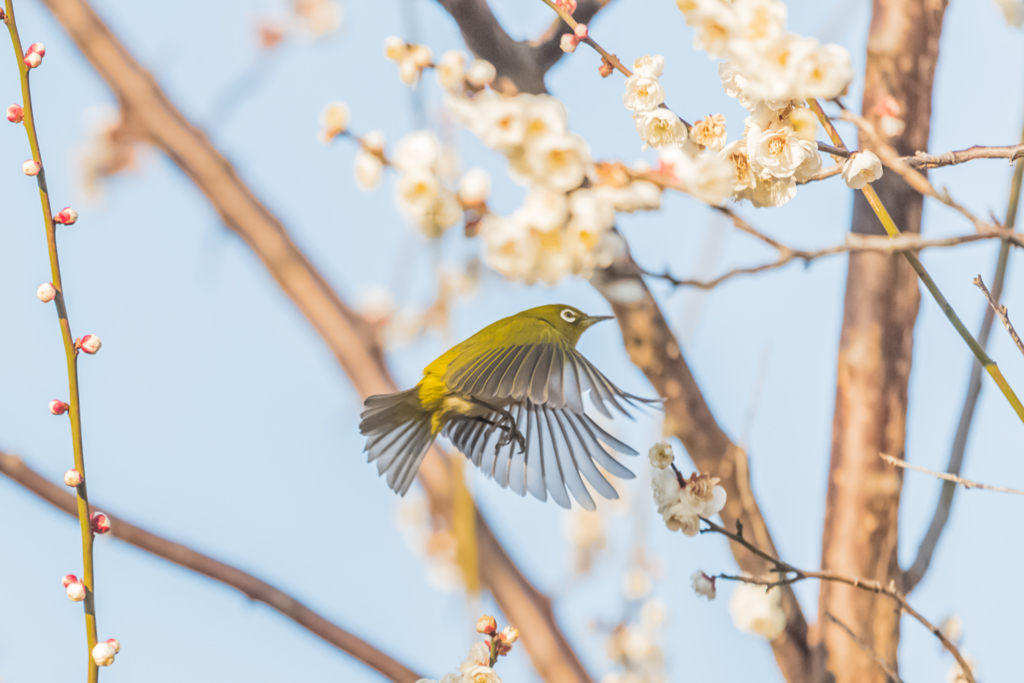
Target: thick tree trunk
[875, 348]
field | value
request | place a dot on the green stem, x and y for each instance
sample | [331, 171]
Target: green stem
[70, 352]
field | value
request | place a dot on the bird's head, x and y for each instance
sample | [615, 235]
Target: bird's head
[569, 321]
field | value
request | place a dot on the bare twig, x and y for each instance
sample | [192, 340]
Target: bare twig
[350, 338]
[864, 645]
[17, 471]
[926, 549]
[70, 347]
[966, 483]
[1000, 311]
[784, 568]
[923, 160]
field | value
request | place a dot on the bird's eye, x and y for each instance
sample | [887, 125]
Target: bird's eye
[568, 316]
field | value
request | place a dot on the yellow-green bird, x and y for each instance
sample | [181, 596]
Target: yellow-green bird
[510, 398]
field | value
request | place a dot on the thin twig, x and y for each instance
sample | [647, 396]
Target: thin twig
[923, 160]
[250, 586]
[853, 243]
[866, 647]
[933, 289]
[926, 549]
[966, 483]
[1000, 311]
[70, 350]
[784, 568]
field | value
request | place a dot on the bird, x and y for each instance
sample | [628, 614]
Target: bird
[510, 398]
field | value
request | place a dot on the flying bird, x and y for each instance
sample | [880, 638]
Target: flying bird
[510, 398]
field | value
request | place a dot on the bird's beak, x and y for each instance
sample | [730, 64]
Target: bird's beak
[594, 319]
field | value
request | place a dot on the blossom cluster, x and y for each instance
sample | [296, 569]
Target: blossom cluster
[682, 502]
[706, 176]
[478, 666]
[565, 224]
[772, 73]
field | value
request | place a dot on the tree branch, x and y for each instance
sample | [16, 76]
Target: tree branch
[866, 647]
[1001, 311]
[350, 338]
[250, 586]
[926, 549]
[654, 349]
[966, 483]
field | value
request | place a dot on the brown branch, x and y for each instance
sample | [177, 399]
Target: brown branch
[350, 338]
[654, 349]
[869, 585]
[923, 160]
[1000, 311]
[926, 549]
[17, 471]
[966, 483]
[524, 63]
[866, 647]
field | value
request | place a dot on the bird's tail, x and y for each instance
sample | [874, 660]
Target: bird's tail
[400, 433]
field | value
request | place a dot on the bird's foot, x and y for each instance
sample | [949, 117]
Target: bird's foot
[511, 433]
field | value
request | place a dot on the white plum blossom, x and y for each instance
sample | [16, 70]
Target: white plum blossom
[509, 246]
[651, 66]
[559, 161]
[862, 168]
[643, 93]
[777, 153]
[368, 170]
[543, 115]
[682, 506]
[481, 73]
[474, 187]
[769, 192]
[640, 195]
[451, 70]
[544, 210]
[661, 455]
[758, 612]
[660, 129]
[709, 132]
[500, 122]
[417, 150]
[1013, 11]
[707, 177]
[475, 668]
[703, 584]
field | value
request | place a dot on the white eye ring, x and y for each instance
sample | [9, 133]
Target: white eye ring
[568, 316]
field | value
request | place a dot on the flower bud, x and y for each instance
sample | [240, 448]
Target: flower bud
[569, 42]
[33, 59]
[509, 635]
[90, 343]
[31, 167]
[114, 643]
[46, 292]
[703, 584]
[474, 187]
[580, 31]
[15, 114]
[38, 48]
[99, 522]
[73, 477]
[69, 579]
[605, 69]
[569, 6]
[66, 216]
[486, 625]
[103, 654]
[76, 591]
[394, 48]
[481, 73]
[58, 407]
[661, 455]
[373, 142]
[334, 120]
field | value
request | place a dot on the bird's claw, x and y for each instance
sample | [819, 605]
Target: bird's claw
[511, 434]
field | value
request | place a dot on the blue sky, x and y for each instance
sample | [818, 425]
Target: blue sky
[215, 415]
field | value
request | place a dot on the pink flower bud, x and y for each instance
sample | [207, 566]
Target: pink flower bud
[486, 625]
[69, 579]
[509, 635]
[580, 31]
[606, 69]
[103, 654]
[90, 343]
[568, 6]
[58, 407]
[569, 42]
[15, 114]
[114, 643]
[66, 216]
[37, 48]
[33, 59]
[99, 522]
[46, 292]
[3, 15]
[73, 477]
[31, 167]
[76, 591]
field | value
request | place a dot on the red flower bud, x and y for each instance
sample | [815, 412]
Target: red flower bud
[15, 114]
[69, 579]
[66, 216]
[58, 407]
[90, 343]
[73, 477]
[99, 522]
[31, 167]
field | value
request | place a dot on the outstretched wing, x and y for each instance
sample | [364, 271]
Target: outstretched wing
[533, 362]
[561, 444]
